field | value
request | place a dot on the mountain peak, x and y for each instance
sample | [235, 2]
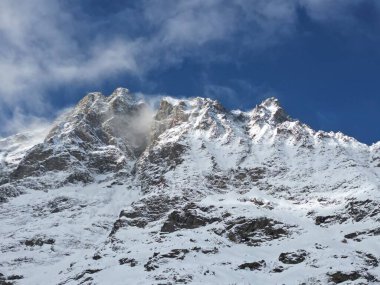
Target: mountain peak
[122, 94]
[271, 103]
[197, 186]
[122, 90]
[270, 111]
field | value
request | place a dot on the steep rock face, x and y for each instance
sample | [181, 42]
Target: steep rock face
[100, 135]
[194, 131]
[191, 193]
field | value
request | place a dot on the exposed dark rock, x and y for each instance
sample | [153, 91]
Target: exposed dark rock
[10, 279]
[217, 181]
[27, 166]
[41, 159]
[149, 266]
[319, 220]
[257, 202]
[131, 261]
[208, 272]
[106, 161]
[120, 223]
[3, 280]
[255, 231]
[38, 241]
[205, 250]
[7, 191]
[353, 235]
[293, 257]
[174, 253]
[278, 269]
[15, 277]
[369, 259]
[56, 163]
[280, 116]
[186, 219]
[87, 279]
[358, 210]
[356, 235]
[355, 210]
[168, 157]
[256, 265]
[149, 209]
[88, 271]
[339, 277]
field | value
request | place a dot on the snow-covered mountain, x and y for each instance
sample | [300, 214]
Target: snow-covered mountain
[190, 193]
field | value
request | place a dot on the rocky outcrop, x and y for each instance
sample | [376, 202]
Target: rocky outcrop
[293, 257]
[10, 279]
[190, 217]
[130, 261]
[256, 265]
[354, 210]
[38, 241]
[340, 277]
[147, 210]
[359, 235]
[253, 232]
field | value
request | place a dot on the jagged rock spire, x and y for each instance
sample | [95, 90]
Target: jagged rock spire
[270, 111]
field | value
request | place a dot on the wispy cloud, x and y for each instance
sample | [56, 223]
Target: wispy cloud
[46, 43]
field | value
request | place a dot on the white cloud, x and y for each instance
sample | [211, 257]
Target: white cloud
[22, 122]
[43, 44]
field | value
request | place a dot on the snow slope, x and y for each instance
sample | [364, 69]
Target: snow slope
[189, 194]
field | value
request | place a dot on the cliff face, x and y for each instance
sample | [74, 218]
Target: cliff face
[189, 193]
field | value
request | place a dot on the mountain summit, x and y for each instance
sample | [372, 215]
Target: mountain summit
[188, 193]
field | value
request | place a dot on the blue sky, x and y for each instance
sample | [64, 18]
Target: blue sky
[321, 58]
